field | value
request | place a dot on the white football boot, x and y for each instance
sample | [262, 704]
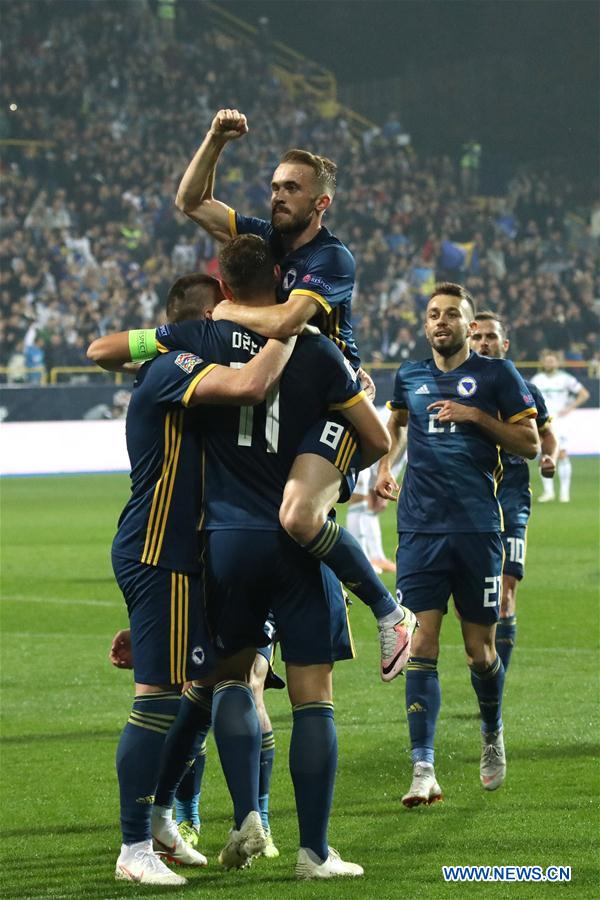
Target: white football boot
[310, 866]
[139, 863]
[424, 788]
[492, 768]
[169, 843]
[244, 844]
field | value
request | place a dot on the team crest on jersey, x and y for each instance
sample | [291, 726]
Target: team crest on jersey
[198, 656]
[187, 361]
[289, 279]
[467, 386]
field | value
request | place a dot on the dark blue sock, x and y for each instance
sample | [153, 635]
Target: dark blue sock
[506, 638]
[336, 547]
[267, 755]
[423, 700]
[489, 686]
[238, 737]
[187, 796]
[138, 760]
[313, 764]
[183, 744]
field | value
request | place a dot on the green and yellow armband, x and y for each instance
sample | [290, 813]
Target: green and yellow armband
[142, 344]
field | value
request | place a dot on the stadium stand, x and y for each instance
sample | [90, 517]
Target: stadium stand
[99, 119]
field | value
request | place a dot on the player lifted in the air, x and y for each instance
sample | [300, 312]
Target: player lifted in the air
[514, 494]
[562, 393]
[316, 283]
[460, 409]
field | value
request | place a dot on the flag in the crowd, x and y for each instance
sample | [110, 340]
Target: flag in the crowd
[462, 257]
[422, 280]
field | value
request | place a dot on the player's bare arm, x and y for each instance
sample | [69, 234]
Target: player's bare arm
[195, 193]
[520, 437]
[240, 387]
[278, 321]
[581, 397]
[386, 486]
[111, 352]
[249, 385]
[549, 451]
[373, 435]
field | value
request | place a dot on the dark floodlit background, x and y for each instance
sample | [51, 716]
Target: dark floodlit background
[466, 135]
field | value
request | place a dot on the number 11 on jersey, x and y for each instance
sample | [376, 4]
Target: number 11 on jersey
[271, 423]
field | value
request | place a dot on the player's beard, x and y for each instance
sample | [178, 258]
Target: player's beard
[448, 350]
[292, 224]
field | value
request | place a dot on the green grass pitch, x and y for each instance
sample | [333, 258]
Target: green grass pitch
[63, 706]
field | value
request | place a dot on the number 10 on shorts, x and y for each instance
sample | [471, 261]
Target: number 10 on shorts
[491, 593]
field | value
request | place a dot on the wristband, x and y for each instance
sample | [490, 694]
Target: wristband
[142, 344]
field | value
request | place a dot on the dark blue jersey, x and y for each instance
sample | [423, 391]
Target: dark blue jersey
[323, 268]
[514, 493]
[453, 469]
[249, 450]
[158, 525]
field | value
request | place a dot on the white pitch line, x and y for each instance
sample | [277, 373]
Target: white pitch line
[60, 601]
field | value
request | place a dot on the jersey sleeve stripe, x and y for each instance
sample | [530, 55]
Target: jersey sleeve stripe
[300, 292]
[164, 511]
[157, 492]
[349, 403]
[530, 413]
[163, 489]
[232, 222]
[161, 348]
[193, 384]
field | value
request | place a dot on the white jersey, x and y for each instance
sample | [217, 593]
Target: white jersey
[558, 389]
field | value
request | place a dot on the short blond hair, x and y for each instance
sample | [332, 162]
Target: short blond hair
[325, 169]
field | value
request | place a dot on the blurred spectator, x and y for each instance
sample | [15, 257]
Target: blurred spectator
[90, 238]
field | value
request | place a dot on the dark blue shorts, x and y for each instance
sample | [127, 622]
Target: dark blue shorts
[250, 573]
[431, 567]
[335, 440]
[169, 637]
[515, 549]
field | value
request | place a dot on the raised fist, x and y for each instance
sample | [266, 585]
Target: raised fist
[229, 124]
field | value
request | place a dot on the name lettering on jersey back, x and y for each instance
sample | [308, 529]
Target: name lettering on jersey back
[242, 341]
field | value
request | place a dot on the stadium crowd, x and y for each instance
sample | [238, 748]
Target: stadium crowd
[90, 238]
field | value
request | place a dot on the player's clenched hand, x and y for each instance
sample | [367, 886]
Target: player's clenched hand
[367, 383]
[547, 467]
[386, 486]
[452, 411]
[229, 124]
[120, 650]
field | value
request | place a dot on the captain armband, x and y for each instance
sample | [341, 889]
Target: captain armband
[142, 344]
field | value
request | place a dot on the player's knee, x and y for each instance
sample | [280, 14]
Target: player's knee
[425, 644]
[298, 519]
[480, 653]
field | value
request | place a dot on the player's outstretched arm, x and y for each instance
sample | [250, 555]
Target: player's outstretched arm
[250, 384]
[372, 433]
[386, 485]
[520, 437]
[195, 193]
[278, 321]
[549, 451]
[112, 351]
